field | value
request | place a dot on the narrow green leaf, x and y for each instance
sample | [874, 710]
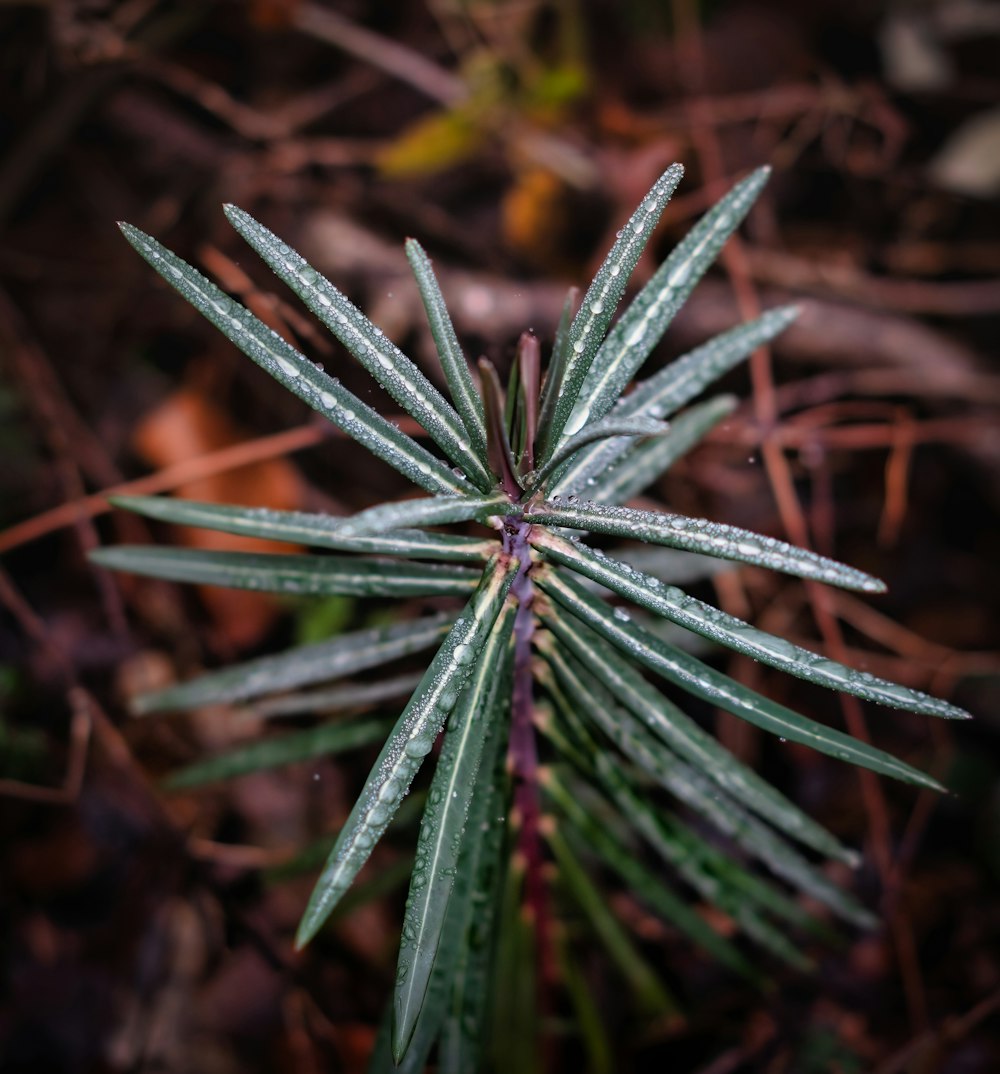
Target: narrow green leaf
[294, 371]
[277, 750]
[680, 381]
[651, 996]
[688, 740]
[673, 386]
[411, 740]
[498, 447]
[694, 787]
[295, 575]
[700, 618]
[352, 695]
[589, 434]
[702, 536]
[442, 831]
[372, 348]
[311, 857]
[556, 373]
[453, 361]
[298, 527]
[642, 464]
[713, 686]
[588, 832]
[475, 901]
[599, 305]
[302, 666]
[710, 872]
[643, 324]
[435, 511]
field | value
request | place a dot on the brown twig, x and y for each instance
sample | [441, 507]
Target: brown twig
[215, 462]
[691, 65]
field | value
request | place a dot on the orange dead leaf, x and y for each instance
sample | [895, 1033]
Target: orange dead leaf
[185, 426]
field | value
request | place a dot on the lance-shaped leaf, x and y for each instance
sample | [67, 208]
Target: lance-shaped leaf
[695, 788]
[411, 740]
[498, 446]
[351, 695]
[718, 626]
[299, 527]
[672, 387]
[435, 511]
[280, 750]
[293, 370]
[688, 740]
[311, 857]
[713, 686]
[643, 324]
[475, 904]
[713, 874]
[702, 536]
[599, 305]
[372, 348]
[434, 1010]
[669, 563]
[682, 850]
[306, 664]
[453, 361]
[642, 464]
[526, 400]
[680, 381]
[554, 376]
[442, 829]
[589, 434]
[586, 831]
[298, 575]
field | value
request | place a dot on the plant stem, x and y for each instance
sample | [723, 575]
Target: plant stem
[523, 754]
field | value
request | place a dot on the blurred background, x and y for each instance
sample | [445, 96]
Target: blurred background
[151, 931]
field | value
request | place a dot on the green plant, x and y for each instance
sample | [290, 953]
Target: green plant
[537, 647]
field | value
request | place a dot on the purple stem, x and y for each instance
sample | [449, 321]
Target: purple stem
[523, 752]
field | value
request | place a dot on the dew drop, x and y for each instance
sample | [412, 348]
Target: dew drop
[679, 275]
[287, 368]
[419, 746]
[389, 790]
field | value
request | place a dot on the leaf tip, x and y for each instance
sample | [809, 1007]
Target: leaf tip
[308, 927]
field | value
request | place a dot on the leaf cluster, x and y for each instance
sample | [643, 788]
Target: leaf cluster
[555, 637]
